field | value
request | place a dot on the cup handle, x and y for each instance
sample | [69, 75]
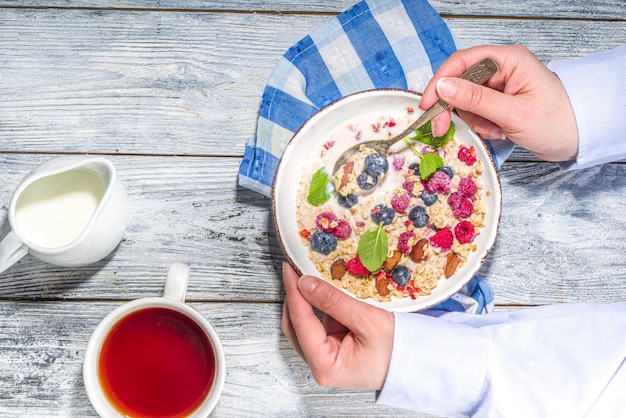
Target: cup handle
[176, 284]
[12, 249]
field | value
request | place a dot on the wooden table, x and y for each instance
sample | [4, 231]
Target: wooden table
[169, 91]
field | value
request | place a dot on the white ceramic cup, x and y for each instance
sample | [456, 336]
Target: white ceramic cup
[70, 211]
[173, 298]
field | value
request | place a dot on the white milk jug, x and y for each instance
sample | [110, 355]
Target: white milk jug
[70, 211]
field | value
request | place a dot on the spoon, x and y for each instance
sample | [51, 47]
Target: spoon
[477, 73]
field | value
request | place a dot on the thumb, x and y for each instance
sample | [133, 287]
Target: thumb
[334, 302]
[488, 103]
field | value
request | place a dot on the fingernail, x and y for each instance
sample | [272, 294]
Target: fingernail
[307, 284]
[497, 134]
[446, 87]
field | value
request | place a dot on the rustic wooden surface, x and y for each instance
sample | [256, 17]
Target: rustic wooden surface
[169, 91]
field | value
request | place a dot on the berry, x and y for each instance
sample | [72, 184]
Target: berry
[464, 232]
[400, 202]
[429, 198]
[454, 200]
[419, 216]
[357, 268]
[442, 239]
[343, 229]
[415, 167]
[408, 186]
[465, 209]
[366, 181]
[398, 163]
[401, 275]
[348, 200]
[448, 170]
[323, 243]
[467, 155]
[405, 241]
[326, 222]
[467, 187]
[376, 165]
[383, 213]
[438, 182]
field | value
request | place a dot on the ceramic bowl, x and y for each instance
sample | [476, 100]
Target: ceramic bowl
[304, 150]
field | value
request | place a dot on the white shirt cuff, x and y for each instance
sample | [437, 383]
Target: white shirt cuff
[447, 364]
[596, 88]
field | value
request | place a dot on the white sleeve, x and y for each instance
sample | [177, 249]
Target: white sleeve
[596, 87]
[555, 360]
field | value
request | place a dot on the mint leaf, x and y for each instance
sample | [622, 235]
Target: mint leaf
[373, 247]
[425, 135]
[321, 188]
[429, 164]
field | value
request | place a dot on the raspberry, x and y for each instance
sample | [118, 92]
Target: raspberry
[357, 268]
[398, 163]
[464, 232]
[454, 200]
[467, 187]
[343, 229]
[465, 209]
[467, 155]
[326, 222]
[405, 242]
[408, 186]
[442, 239]
[439, 182]
[400, 202]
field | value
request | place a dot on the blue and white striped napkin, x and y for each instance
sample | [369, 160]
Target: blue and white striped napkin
[374, 44]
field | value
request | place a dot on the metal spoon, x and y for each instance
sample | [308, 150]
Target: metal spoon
[477, 73]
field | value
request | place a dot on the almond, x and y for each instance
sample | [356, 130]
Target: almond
[419, 250]
[392, 261]
[347, 170]
[451, 264]
[338, 269]
[382, 286]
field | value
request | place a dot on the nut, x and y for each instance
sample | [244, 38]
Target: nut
[451, 264]
[382, 286]
[419, 250]
[392, 261]
[338, 269]
[347, 170]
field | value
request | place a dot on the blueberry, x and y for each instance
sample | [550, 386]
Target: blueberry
[366, 181]
[383, 213]
[448, 170]
[419, 216]
[415, 167]
[429, 198]
[348, 200]
[401, 275]
[323, 243]
[376, 165]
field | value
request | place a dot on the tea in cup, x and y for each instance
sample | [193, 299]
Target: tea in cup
[70, 211]
[155, 357]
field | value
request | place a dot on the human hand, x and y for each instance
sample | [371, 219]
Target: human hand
[523, 101]
[351, 347]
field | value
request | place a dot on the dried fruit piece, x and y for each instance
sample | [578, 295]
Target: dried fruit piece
[338, 269]
[392, 261]
[419, 250]
[451, 264]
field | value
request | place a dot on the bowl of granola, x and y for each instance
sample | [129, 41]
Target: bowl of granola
[404, 231]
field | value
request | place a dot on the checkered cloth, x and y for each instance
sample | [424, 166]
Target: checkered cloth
[374, 44]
